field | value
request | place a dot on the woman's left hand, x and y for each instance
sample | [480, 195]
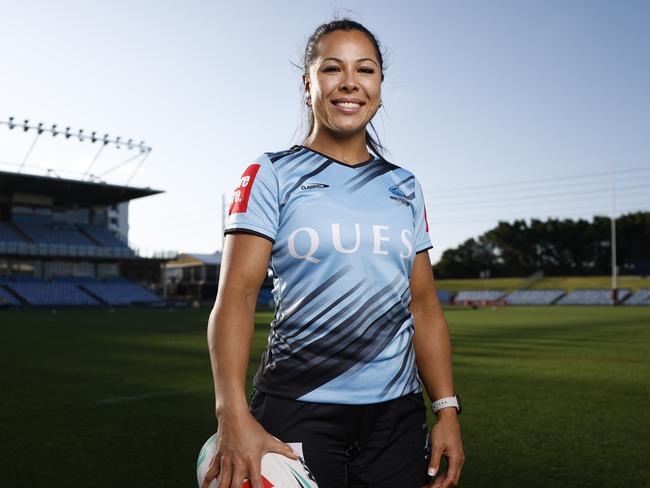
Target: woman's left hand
[446, 441]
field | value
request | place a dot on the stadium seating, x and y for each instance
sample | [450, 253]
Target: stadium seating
[7, 234]
[592, 296]
[73, 279]
[445, 296]
[115, 279]
[640, 297]
[25, 279]
[534, 297]
[51, 293]
[7, 298]
[121, 293]
[74, 290]
[55, 233]
[102, 236]
[477, 296]
[265, 298]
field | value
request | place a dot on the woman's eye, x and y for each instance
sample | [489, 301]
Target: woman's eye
[336, 68]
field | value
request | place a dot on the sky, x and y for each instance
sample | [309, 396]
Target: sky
[502, 109]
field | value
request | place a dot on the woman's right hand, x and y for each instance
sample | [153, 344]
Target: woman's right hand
[241, 443]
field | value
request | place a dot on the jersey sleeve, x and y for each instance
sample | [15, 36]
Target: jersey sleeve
[254, 208]
[422, 239]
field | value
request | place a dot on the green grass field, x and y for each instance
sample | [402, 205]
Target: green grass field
[567, 283]
[554, 397]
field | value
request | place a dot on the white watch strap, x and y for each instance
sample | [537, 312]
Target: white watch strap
[444, 403]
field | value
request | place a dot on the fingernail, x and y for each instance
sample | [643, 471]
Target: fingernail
[432, 471]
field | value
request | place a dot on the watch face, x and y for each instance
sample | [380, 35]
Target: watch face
[460, 405]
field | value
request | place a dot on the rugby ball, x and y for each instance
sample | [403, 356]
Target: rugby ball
[278, 471]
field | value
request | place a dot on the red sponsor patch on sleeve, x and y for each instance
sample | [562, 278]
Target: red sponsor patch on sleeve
[425, 218]
[241, 194]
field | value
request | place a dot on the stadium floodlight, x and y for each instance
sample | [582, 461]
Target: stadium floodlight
[80, 134]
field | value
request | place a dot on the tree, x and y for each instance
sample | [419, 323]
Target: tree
[556, 247]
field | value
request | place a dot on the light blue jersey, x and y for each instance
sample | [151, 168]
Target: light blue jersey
[344, 241]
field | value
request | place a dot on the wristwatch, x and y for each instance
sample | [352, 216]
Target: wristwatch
[452, 401]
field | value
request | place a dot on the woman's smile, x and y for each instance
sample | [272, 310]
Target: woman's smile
[348, 107]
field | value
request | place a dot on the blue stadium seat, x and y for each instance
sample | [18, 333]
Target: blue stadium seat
[479, 296]
[121, 293]
[7, 234]
[640, 297]
[445, 296]
[592, 296]
[73, 279]
[26, 279]
[265, 298]
[115, 279]
[103, 236]
[7, 298]
[534, 297]
[52, 294]
[54, 233]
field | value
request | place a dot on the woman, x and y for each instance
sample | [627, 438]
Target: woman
[346, 235]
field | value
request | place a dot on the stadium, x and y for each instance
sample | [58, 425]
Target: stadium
[64, 243]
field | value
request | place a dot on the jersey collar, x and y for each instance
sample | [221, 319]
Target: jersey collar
[359, 165]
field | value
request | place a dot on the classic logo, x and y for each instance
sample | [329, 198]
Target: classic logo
[311, 186]
[399, 195]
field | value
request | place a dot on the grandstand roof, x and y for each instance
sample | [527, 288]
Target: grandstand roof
[194, 259]
[66, 192]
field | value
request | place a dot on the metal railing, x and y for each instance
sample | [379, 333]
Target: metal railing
[71, 250]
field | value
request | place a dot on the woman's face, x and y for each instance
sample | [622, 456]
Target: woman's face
[347, 69]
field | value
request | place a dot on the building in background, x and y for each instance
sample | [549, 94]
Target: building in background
[192, 277]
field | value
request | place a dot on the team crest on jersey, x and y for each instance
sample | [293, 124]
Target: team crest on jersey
[399, 195]
[313, 186]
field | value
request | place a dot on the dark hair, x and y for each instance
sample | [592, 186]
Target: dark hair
[311, 53]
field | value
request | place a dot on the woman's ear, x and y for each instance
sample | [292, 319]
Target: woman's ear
[305, 83]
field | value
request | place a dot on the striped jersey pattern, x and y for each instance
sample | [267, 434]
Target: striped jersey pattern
[344, 239]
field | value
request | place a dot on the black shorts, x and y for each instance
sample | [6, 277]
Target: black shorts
[379, 445]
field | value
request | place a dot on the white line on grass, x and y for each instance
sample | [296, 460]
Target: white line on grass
[144, 396]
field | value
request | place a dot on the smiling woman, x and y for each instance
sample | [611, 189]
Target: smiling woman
[342, 81]
[357, 323]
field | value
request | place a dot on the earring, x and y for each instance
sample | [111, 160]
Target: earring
[380, 104]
